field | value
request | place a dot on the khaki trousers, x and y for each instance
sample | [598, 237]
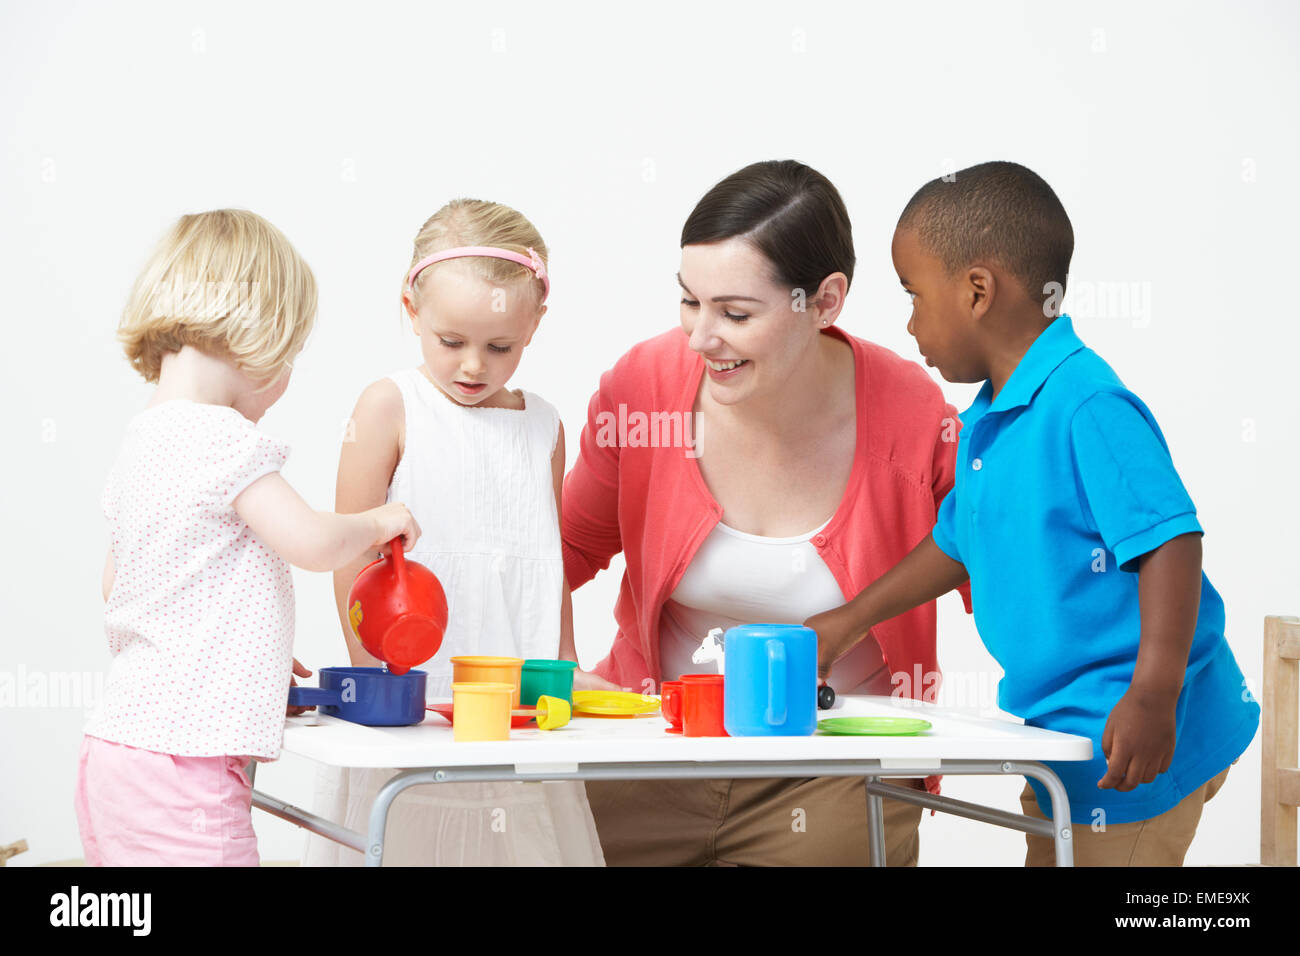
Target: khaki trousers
[820, 821]
[1160, 841]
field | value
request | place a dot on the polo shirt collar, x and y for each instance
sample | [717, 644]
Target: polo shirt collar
[1053, 346]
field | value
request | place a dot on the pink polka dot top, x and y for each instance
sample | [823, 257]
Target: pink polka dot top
[200, 618]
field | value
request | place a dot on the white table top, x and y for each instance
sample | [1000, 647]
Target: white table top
[956, 735]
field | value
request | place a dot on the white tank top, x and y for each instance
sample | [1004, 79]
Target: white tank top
[738, 578]
[478, 481]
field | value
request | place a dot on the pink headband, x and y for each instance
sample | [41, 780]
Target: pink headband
[531, 261]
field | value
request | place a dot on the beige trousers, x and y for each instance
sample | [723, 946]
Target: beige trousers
[1160, 841]
[820, 821]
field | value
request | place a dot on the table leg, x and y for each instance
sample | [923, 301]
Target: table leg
[1062, 835]
[1058, 828]
[383, 800]
[875, 825]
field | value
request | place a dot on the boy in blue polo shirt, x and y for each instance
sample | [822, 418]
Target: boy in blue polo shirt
[1080, 542]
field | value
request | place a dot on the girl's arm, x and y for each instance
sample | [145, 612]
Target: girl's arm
[568, 649]
[110, 571]
[366, 466]
[318, 540]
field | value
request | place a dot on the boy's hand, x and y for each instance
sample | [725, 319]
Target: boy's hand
[924, 574]
[838, 630]
[1138, 740]
[1140, 732]
[300, 671]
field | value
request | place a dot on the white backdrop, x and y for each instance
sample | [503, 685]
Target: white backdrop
[1162, 127]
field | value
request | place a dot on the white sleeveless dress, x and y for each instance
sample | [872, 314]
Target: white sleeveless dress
[478, 481]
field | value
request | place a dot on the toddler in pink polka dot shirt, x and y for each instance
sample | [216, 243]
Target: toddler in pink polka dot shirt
[199, 609]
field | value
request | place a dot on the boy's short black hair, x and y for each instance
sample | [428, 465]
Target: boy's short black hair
[999, 212]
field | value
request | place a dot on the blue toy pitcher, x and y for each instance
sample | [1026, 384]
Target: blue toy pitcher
[770, 680]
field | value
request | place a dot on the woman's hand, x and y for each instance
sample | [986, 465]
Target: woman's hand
[588, 680]
[300, 671]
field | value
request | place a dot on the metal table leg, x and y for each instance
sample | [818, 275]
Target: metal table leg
[1058, 828]
[1062, 835]
[875, 823]
[372, 842]
[384, 799]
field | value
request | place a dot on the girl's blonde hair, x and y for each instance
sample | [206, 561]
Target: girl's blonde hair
[475, 222]
[228, 283]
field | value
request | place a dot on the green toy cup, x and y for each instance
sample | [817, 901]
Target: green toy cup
[552, 678]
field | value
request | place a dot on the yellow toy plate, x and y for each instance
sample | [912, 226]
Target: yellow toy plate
[613, 703]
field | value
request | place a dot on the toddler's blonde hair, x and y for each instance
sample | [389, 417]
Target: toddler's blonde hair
[476, 222]
[228, 283]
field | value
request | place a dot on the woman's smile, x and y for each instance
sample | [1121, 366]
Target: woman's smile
[725, 371]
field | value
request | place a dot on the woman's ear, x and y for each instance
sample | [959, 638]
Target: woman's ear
[829, 299]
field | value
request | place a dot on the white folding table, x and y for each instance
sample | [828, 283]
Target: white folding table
[594, 748]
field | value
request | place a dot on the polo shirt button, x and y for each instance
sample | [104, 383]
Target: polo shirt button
[819, 540]
[977, 464]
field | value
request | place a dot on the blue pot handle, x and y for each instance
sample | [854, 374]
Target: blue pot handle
[776, 681]
[314, 696]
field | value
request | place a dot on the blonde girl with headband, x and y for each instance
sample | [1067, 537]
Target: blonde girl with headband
[199, 608]
[481, 466]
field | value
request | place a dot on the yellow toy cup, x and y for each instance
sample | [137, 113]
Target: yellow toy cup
[481, 710]
[552, 712]
[505, 670]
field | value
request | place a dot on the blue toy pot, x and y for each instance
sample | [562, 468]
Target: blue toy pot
[366, 695]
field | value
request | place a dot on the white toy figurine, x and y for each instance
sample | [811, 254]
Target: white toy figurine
[711, 649]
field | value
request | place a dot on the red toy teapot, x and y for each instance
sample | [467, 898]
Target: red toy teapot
[398, 610]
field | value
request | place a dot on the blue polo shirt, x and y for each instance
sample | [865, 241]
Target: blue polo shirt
[1063, 482]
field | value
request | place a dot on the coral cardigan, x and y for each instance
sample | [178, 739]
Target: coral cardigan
[636, 488]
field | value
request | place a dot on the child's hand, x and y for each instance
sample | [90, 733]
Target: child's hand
[391, 520]
[586, 680]
[1138, 740]
[300, 671]
[838, 630]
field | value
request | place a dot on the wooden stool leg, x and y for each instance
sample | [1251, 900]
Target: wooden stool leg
[13, 849]
[1280, 780]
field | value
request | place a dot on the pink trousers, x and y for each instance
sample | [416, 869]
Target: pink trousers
[141, 808]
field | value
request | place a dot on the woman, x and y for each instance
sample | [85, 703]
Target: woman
[786, 465]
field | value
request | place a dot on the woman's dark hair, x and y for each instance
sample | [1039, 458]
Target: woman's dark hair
[789, 212]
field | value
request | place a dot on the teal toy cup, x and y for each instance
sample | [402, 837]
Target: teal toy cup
[552, 678]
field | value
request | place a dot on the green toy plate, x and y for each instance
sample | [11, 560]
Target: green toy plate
[873, 726]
